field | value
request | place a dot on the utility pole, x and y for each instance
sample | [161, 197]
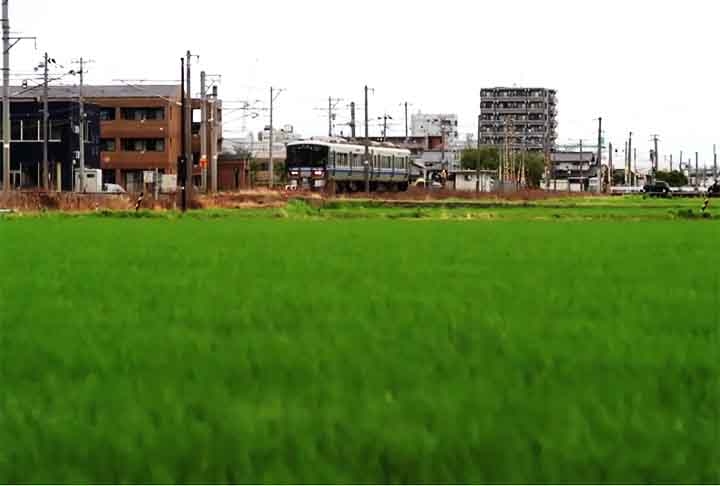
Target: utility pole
[611, 169]
[581, 166]
[203, 130]
[406, 122]
[271, 174]
[182, 159]
[367, 146]
[477, 161]
[81, 130]
[6, 108]
[630, 151]
[697, 179]
[6, 95]
[214, 137]
[352, 119]
[671, 162]
[188, 131]
[680, 168]
[46, 116]
[330, 112]
[384, 119]
[599, 156]
[626, 154]
[715, 165]
[656, 161]
[634, 171]
[274, 93]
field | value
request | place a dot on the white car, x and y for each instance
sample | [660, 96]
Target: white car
[113, 189]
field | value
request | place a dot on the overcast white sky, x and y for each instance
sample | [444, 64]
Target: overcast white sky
[649, 67]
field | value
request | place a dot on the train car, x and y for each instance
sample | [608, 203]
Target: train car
[317, 164]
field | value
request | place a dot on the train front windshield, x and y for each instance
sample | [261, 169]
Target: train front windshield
[307, 156]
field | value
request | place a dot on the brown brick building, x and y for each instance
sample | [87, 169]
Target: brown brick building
[140, 129]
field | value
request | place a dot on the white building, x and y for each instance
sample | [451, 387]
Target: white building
[435, 125]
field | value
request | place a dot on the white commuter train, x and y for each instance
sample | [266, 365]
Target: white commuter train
[316, 164]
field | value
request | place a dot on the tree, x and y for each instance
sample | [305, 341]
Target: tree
[674, 178]
[534, 168]
[487, 157]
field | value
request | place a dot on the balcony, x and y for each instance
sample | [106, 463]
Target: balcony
[134, 129]
[136, 160]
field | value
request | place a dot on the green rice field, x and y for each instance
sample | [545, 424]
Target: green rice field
[361, 345]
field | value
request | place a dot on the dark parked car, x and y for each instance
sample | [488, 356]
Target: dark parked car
[657, 189]
[714, 190]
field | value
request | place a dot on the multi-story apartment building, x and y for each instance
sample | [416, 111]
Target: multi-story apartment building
[524, 118]
[435, 125]
[26, 143]
[140, 128]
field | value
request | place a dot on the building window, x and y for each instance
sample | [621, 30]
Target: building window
[155, 145]
[16, 130]
[30, 130]
[107, 114]
[55, 130]
[143, 144]
[107, 145]
[142, 114]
